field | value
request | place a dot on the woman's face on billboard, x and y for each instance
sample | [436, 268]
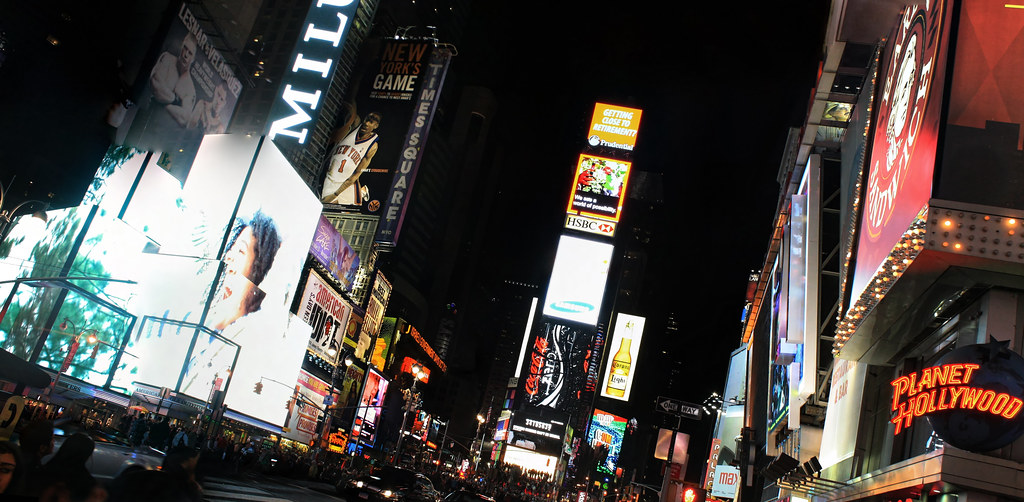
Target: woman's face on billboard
[231, 304]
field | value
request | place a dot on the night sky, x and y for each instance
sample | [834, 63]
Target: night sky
[719, 88]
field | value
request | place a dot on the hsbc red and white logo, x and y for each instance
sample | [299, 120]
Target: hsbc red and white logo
[591, 225]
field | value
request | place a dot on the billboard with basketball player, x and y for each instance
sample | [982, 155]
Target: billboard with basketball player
[367, 143]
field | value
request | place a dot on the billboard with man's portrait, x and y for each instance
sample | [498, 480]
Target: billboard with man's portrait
[189, 91]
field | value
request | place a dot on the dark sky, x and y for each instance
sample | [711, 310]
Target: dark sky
[719, 85]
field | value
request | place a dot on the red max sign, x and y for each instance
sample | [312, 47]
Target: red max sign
[946, 387]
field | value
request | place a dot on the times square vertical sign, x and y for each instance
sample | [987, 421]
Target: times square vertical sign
[312, 66]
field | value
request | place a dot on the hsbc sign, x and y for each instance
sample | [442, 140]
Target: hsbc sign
[590, 225]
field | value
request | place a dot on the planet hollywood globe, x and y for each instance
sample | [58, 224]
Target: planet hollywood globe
[1000, 370]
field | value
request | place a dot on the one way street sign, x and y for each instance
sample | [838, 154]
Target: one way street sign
[677, 407]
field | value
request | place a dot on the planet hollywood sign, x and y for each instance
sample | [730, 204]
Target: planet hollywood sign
[972, 397]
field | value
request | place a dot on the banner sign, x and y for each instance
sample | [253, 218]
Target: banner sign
[334, 253]
[368, 144]
[327, 313]
[304, 414]
[614, 127]
[412, 151]
[190, 91]
[375, 307]
[537, 429]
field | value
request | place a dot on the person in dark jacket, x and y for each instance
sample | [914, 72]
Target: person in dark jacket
[67, 473]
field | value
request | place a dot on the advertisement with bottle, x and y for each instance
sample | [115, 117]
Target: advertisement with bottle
[620, 366]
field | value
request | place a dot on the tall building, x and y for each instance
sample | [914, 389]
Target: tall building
[893, 279]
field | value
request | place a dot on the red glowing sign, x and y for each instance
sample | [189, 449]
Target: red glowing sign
[946, 387]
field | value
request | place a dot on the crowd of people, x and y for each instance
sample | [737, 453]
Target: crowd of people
[31, 470]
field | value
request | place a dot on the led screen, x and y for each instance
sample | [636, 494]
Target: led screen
[614, 127]
[555, 372]
[606, 432]
[599, 188]
[538, 429]
[905, 134]
[190, 90]
[620, 366]
[370, 407]
[576, 288]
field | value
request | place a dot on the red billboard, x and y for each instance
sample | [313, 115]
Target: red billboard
[905, 133]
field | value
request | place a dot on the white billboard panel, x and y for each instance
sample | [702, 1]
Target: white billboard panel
[578, 278]
[621, 364]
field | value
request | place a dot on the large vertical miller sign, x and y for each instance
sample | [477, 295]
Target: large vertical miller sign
[412, 151]
[313, 63]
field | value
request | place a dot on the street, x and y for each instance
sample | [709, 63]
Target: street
[253, 487]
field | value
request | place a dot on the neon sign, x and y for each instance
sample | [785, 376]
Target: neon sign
[947, 387]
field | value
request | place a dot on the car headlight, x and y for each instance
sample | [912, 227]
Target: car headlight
[387, 493]
[359, 484]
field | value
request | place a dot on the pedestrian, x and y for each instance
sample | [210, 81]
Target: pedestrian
[67, 473]
[12, 470]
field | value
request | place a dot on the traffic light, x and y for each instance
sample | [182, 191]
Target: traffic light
[691, 492]
[258, 388]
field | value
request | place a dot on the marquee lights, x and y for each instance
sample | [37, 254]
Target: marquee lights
[946, 387]
[950, 230]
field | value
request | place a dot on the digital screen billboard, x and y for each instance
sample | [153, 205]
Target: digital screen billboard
[620, 366]
[189, 91]
[370, 407]
[607, 431]
[599, 188]
[614, 127]
[556, 366]
[538, 429]
[905, 135]
[334, 253]
[576, 287]
[327, 312]
[375, 307]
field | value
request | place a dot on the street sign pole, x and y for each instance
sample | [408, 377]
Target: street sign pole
[667, 479]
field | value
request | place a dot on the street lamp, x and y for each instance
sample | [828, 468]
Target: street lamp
[480, 448]
[7, 215]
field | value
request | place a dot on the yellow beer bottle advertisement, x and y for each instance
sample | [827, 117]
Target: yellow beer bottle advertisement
[618, 377]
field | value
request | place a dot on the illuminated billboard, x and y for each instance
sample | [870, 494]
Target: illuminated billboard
[607, 431]
[370, 407]
[599, 188]
[376, 148]
[576, 287]
[375, 307]
[538, 429]
[334, 253]
[327, 312]
[312, 63]
[905, 134]
[306, 407]
[556, 367]
[985, 113]
[620, 367]
[614, 127]
[189, 91]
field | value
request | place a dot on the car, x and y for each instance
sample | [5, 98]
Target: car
[464, 495]
[389, 484]
[114, 453]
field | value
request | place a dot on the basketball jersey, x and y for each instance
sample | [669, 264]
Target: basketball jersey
[345, 158]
